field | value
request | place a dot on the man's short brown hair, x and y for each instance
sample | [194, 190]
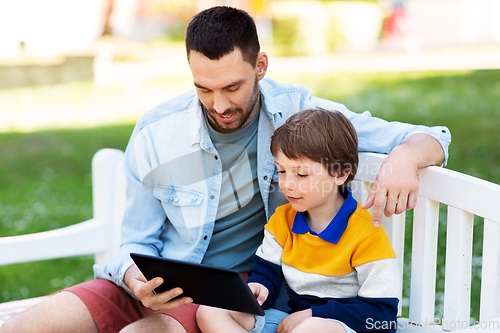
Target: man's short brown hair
[217, 31]
[323, 136]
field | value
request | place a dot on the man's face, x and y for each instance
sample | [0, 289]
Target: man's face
[228, 88]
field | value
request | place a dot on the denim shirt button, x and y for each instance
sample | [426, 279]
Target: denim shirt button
[176, 199]
[265, 177]
[205, 237]
[212, 197]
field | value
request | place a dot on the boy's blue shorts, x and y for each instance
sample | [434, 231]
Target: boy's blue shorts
[272, 318]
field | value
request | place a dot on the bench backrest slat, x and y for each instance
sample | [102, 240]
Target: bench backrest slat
[490, 277]
[423, 263]
[108, 198]
[395, 228]
[457, 288]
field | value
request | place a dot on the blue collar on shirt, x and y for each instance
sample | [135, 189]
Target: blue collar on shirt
[337, 226]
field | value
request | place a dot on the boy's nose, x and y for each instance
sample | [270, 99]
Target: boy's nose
[289, 184]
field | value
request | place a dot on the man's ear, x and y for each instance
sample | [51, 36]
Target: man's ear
[262, 63]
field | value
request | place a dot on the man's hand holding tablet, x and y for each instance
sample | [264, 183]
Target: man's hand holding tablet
[144, 291]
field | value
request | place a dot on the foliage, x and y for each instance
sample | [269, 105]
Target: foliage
[286, 41]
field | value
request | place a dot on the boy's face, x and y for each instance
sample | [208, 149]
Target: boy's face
[307, 184]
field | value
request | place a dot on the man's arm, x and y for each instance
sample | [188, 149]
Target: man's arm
[396, 184]
[410, 147]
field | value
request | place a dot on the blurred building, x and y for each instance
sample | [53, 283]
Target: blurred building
[49, 27]
[54, 27]
[444, 23]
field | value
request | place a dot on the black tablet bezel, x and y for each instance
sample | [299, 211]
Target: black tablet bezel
[207, 285]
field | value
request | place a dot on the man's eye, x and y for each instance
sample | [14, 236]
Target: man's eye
[233, 89]
[203, 91]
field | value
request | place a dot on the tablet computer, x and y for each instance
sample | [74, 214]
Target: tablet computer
[207, 285]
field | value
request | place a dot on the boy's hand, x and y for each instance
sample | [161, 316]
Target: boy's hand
[144, 291]
[293, 320]
[259, 291]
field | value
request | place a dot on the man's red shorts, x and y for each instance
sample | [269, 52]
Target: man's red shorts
[113, 308]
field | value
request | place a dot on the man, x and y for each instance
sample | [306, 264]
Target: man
[201, 181]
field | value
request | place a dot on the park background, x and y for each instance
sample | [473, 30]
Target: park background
[76, 75]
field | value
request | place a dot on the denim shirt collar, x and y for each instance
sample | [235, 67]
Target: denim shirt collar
[337, 226]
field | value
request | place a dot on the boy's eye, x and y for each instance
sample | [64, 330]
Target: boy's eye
[302, 175]
[281, 171]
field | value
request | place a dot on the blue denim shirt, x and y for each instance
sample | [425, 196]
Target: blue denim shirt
[174, 174]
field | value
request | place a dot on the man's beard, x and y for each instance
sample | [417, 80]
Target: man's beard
[239, 123]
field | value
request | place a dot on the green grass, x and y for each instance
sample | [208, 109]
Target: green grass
[45, 183]
[45, 176]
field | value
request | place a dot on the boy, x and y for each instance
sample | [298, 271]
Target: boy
[341, 269]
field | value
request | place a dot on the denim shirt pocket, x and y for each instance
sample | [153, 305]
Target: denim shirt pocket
[182, 206]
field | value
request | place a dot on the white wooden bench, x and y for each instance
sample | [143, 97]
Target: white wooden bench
[99, 236]
[465, 196]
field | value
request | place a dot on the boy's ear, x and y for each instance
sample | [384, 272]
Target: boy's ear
[341, 179]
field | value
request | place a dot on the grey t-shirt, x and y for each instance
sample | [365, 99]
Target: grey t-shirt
[240, 216]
